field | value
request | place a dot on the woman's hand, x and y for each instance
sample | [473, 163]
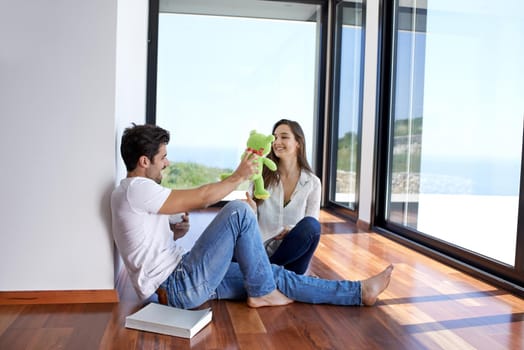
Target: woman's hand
[180, 228]
[251, 202]
[283, 233]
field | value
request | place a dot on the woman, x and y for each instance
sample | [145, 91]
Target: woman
[288, 219]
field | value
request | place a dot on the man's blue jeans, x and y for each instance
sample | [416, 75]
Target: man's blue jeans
[206, 272]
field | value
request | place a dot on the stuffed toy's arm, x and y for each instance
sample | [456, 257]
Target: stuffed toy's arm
[269, 163]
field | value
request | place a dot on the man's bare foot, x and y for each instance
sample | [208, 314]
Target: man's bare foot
[373, 286]
[275, 298]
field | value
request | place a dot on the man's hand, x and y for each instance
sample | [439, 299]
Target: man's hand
[180, 228]
[248, 166]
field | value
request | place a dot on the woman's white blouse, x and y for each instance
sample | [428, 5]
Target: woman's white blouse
[305, 201]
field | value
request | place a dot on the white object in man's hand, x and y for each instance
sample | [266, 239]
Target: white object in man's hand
[179, 224]
[175, 218]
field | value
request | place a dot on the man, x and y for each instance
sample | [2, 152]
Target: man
[141, 207]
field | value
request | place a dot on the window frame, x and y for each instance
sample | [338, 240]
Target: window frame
[319, 126]
[351, 212]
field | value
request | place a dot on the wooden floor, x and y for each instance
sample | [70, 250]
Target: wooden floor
[427, 306]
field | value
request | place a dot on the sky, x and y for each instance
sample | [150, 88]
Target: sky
[474, 80]
[238, 75]
[465, 73]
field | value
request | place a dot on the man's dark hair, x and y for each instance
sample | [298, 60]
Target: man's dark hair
[141, 140]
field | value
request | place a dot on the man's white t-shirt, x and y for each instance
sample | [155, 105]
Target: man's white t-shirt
[143, 237]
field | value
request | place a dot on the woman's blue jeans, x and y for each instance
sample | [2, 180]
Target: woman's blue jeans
[298, 246]
[206, 272]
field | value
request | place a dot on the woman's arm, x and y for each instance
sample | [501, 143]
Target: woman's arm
[313, 199]
[251, 202]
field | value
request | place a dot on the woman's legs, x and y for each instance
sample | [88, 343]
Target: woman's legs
[297, 248]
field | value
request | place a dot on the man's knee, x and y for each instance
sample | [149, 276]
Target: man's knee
[235, 205]
[238, 206]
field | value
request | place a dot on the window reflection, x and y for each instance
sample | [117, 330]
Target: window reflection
[347, 103]
[457, 120]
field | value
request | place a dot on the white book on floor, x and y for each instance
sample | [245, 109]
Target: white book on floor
[169, 320]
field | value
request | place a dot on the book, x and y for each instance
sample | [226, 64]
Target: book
[169, 320]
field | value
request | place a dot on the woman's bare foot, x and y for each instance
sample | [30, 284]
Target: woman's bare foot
[275, 298]
[373, 286]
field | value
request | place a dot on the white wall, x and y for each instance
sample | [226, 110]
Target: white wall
[131, 69]
[131, 75]
[57, 107]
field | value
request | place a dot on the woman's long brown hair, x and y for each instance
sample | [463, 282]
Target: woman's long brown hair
[271, 177]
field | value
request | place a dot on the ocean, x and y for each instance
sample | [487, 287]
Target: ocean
[215, 157]
[498, 177]
[439, 174]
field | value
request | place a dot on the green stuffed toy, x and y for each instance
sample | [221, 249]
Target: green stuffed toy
[260, 145]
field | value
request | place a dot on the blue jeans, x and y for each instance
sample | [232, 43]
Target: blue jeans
[297, 247]
[206, 272]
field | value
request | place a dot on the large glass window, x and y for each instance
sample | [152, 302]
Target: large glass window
[226, 68]
[456, 123]
[347, 103]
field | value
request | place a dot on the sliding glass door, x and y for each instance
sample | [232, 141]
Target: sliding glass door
[454, 113]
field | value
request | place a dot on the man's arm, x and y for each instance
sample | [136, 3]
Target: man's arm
[204, 196]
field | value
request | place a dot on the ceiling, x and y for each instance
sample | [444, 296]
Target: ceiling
[242, 8]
